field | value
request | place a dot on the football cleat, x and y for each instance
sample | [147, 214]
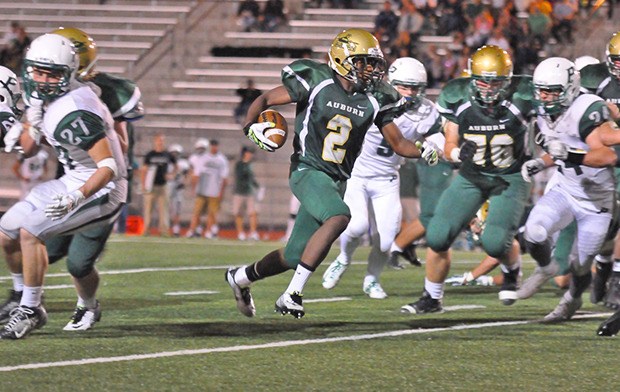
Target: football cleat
[410, 254]
[599, 282]
[612, 299]
[394, 262]
[83, 318]
[534, 282]
[373, 289]
[508, 291]
[23, 321]
[333, 273]
[611, 326]
[425, 304]
[290, 303]
[245, 303]
[565, 310]
[11, 303]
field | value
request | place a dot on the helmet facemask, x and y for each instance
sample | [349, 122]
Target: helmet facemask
[556, 85]
[46, 81]
[612, 54]
[489, 91]
[365, 71]
[412, 92]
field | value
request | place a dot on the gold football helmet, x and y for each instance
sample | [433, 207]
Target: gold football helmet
[85, 47]
[613, 55]
[355, 55]
[491, 70]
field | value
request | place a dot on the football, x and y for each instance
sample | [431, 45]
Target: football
[279, 133]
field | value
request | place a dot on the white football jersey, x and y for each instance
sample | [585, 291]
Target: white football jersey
[33, 167]
[377, 157]
[72, 124]
[591, 185]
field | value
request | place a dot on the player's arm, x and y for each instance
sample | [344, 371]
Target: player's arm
[273, 97]
[398, 142]
[30, 145]
[609, 133]
[600, 155]
[451, 132]
[120, 127]
[101, 154]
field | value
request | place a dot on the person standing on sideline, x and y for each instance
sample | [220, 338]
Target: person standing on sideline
[212, 182]
[30, 171]
[244, 194]
[196, 163]
[177, 188]
[159, 166]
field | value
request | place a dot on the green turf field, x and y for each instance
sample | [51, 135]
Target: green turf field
[152, 337]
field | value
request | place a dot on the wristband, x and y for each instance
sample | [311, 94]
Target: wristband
[576, 158]
[454, 154]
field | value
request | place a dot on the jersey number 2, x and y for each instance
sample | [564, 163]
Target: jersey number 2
[341, 127]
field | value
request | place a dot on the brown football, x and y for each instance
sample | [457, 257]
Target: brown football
[279, 133]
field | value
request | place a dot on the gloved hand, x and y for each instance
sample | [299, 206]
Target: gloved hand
[428, 151]
[11, 139]
[557, 149]
[467, 150]
[64, 204]
[255, 132]
[532, 167]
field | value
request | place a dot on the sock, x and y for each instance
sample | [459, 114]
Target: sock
[395, 248]
[616, 267]
[242, 277]
[18, 282]
[434, 289]
[31, 296]
[301, 276]
[88, 303]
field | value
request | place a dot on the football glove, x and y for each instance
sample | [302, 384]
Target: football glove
[11, 139]
[255, 132]
[557, 149]
[64, 204]
[428, 152]
[467, 150]
[532, 167]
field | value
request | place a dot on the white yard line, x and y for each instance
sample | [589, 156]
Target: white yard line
[334, 299]
[200, 292]
[286, 343]
[463, 307]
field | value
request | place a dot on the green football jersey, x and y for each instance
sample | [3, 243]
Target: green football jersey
[330, 123]
[121, 96]
[595, 79]
[501, 137]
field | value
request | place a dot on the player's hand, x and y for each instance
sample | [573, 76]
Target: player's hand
[532, 167]
[255, 132]
[11, 139]
[428, 151]
[557, 149]
[467, 150]
[63, 204]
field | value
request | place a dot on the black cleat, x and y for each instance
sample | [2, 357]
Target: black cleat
[599, 282]
[11, 303]
[612, 299]
[425, 304]
[410, 254]
[611, 326]
[508, 291]
[290, 303]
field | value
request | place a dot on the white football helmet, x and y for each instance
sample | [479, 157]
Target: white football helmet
[409, 72]
[556, 75]
[176, 148]
[582, 61]
[55, 56]
[201, 143]
[10, 92]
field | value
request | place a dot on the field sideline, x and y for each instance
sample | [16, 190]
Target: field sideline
[170, 323]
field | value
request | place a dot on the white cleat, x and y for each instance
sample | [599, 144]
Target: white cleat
[83, 319]
[245, 302]
[373, 289]
[334, 272]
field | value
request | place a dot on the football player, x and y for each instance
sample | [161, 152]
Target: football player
[336, 105]
[487, 116]
[572, 130]
[374, 186]
[123, 99]
[90, 193]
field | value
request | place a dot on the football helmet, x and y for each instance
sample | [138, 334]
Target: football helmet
[356, 56]
[556, 84]
[490, 68]
[582, 61]
[10, 92]
[85, 47]
[409, 72]
[50, 65]
[612, 54]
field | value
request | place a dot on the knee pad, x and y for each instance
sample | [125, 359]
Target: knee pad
[535, 233]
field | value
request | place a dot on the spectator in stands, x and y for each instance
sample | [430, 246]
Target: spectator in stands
[564, 12]
[409, 26]
[480, 29]
[30, 171]
[386, 25]
[248, 94]
[12, 54]
[245, 192]
[248, 15]
[543, 6]
[497, 38]
[11, 33]
[159, 166]
[273, 15]
[471, 10]
[539, 25]
[452, 18]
